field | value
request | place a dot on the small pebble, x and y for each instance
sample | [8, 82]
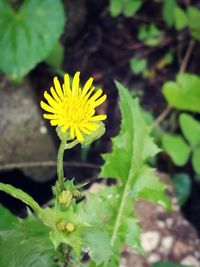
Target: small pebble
[154, 258]
[161, 224]
[43, 130]
[191, 261]
[167, 242]
[169, 222]
[150, 240]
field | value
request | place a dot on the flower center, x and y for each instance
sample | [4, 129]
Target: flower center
[76, 110]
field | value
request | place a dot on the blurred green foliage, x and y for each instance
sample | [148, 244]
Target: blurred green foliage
[180, 18]
[183, 187]
[28, 35]
[125, 7]
[138, 65]
[184, 93]
[149, 34]
[181, 147]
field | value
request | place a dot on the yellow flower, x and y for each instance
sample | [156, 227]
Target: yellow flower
[73, 108]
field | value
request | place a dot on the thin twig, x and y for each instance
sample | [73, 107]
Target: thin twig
[182, 69]
[11, 166]
[162, 116]
[187, 56]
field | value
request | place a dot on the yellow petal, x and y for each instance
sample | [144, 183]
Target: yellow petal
[67, 81]
[72, 133]
[55, 96]
[47, 107]
[58, 87]
[56, 122]
[78, 134]
[50, 100]
[51, 116]
[75, 83]
[89, 93]
[84, 130]
[67, 90]
[98, 118]
[87, 86]
[99, 101]
[91, 126]
[96, 95]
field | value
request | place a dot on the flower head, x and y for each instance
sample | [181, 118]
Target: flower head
[73, 108]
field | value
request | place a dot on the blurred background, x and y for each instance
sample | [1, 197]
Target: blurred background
[153, 48]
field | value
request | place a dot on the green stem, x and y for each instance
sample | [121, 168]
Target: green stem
[60, 171]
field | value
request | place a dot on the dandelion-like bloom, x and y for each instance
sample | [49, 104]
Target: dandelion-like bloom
[73, 108]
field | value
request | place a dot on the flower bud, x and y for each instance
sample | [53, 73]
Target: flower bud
[61, 226]
[65, 198]
[70, 227]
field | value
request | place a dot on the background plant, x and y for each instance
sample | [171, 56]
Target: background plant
[31, 31]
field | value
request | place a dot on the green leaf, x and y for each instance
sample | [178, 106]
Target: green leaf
[134, 138]
[181, 20]
[21, 195]
[132, 233]
[184, 93]
[168, 11]
[182, 184]
[190, 128]
[149, 187]
[131, 7]
[28, 35]
[194, 17]
[56, 56]
[47, 215]
[138, 65]
[149, 34]
[116, 7]
[168, 264]
[26, 245]
[175, 146]
[7, 219]
[196, 160]
[99, 243]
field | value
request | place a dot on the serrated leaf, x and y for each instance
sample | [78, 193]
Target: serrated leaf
[31, 33]
[182, 184]
[98, 241]
[7, 219]
[131, 149]
[193, 17]
[196, 160]
[149, 187]
[190, 128]
[132, 233]
[133, 138]
[184, 93]
[26, 245]
[181, 20]
[176, 147]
